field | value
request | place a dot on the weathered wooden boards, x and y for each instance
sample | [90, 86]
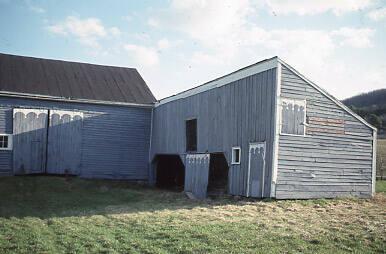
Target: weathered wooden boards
[64, 142]
[256, 170]
[29, 140]
[196, 174]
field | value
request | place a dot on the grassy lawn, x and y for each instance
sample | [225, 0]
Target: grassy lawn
[52, 215]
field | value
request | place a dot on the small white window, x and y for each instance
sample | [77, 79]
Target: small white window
[5, 142]
[236, 154]
[293, 117]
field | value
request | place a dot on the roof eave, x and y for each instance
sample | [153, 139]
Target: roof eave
[70, 100]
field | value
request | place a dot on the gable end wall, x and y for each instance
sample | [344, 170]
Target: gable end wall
[335, 156]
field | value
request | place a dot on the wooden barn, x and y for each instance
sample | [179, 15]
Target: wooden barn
[261, 131]
[60, 117]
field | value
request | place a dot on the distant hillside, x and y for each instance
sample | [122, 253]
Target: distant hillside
[371, 106]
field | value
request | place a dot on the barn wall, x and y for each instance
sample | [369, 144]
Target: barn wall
[333, 159]
[115, 139]
[231, 115]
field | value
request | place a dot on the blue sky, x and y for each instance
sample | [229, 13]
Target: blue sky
[175, 45]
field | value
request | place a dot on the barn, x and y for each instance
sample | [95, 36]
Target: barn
[264, 131]
[60, 117]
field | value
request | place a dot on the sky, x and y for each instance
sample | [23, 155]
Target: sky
[176, 45]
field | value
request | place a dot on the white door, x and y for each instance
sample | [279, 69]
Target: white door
[256, 170]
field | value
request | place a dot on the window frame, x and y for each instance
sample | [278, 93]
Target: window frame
[186, 136]
[235, 148]
[305, 124]
[10, 142]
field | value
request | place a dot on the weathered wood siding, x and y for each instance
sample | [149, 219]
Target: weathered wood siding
[333, 159]
[235, 114]
[115, 139]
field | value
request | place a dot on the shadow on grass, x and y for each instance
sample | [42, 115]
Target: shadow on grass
[51, 196]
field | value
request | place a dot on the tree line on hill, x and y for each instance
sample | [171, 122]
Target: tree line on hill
[371, 106]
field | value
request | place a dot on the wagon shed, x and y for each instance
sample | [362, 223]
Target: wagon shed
[59, 117]
[280, 135]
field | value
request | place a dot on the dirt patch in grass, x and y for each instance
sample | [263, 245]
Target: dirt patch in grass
[116, 217]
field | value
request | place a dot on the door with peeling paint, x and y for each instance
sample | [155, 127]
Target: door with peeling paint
[197, 174]
[256, 170]
[64, 142]
[29, 140]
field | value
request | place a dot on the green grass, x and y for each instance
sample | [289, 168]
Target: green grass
[380, 186]
[381, 157]
[52, 215]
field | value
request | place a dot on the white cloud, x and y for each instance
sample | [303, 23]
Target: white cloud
[307, 7]
[356, 38]
[378, 14]
[79, 27]
[33, 7]
[226, 39]
[115, 31]
[163, 44]
[144, 56]
[88, 31]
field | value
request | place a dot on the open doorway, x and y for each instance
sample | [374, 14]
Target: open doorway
[170, 172]
[218, 175]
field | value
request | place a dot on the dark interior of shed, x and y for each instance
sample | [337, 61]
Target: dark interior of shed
[170, 172]
[218, 174]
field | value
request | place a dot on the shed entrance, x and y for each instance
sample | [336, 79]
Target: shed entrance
[170, 172]
[218, 174]
[46, 141]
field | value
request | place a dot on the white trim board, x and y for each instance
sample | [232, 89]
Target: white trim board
[374, 166]
[224, 80]
[275, 154]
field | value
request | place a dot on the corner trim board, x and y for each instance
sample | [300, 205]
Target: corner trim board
[374, 166]
[275, 157]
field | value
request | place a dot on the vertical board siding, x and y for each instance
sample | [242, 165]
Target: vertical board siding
[29, 141]
[196, 174]
[235, 114]
[115, 139]
[64, 143]
[334, 158]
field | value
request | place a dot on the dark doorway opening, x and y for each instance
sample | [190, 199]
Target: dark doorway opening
[218, 175]
[170, 172]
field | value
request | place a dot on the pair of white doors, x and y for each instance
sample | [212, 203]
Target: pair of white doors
[46, 141]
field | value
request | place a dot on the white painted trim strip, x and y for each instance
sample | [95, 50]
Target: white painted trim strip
[374, 166]
[237, 75]
[53, 98]
[275, 155]
[321, 90]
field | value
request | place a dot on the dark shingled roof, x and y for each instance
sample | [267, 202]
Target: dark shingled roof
[71, 80]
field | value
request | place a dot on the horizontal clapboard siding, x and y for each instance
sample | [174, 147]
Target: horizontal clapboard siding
[115, 139]
[5, 128]
[235, 114]
[334, 159]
